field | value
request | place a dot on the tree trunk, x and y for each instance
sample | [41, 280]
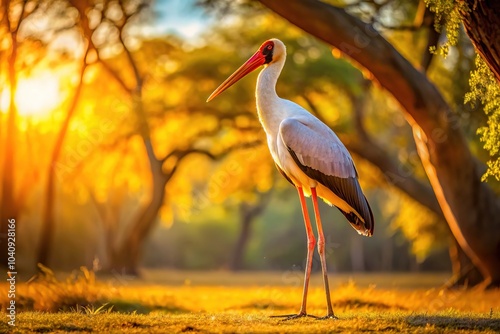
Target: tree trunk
[9, 209]
[239, 250]
[126, 258]
[469, 206]
[465, 274]
[48, 223]
[481, 22]
[248, 214]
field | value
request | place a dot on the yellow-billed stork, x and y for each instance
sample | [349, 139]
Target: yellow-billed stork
[308, 154]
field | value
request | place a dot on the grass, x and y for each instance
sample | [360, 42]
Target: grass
[180, 302]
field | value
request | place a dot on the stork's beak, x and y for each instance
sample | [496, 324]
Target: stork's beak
[250, 65]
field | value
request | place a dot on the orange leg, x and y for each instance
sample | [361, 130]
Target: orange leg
[322, 256]
[311, 240]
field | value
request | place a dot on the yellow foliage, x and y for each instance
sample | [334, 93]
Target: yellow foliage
[418, 224]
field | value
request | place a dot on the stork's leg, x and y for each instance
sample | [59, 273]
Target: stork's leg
[322, 256]
[311, 240]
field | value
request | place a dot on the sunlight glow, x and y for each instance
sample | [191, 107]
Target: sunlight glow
[35, 96]
[38, 95]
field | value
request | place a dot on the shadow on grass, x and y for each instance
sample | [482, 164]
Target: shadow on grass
[457, 323]
[260, 305]
[358, 303]
[123, 306]
[72, 328]
[65, 328]
[82, 305]
[353, 303]
[24, 303]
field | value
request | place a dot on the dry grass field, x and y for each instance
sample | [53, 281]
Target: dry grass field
[221, 302]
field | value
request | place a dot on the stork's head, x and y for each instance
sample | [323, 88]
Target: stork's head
[269, 52]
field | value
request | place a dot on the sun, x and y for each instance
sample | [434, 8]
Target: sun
[36, 96]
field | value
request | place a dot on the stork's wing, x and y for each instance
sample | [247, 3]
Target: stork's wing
[320, 154]
[317, 146]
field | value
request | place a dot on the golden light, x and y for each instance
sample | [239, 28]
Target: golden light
[38, 96]
[35, 96]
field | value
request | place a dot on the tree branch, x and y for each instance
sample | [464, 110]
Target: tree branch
[394, 172]
[82, 6]
[433, 37]
[133, 64]
[312, 107]
[116, 76]
[365, 45]
[181, 154]
[410, 27]
[358, 106]
[21, 17]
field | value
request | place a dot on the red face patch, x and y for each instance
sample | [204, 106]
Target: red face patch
[266, 50]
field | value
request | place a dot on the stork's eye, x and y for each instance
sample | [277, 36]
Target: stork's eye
[267, 52]
[268, 49]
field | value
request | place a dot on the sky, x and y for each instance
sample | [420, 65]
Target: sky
[180, 17]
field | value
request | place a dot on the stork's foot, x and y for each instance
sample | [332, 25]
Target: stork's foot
[294, 316]
[328, 316]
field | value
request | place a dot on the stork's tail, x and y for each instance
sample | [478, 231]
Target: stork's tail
[363, 225]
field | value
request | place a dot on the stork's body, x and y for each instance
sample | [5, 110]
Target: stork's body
[307, 153]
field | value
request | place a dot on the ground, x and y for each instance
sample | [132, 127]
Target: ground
[221, 302]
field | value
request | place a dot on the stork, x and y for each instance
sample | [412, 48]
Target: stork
[308, 154]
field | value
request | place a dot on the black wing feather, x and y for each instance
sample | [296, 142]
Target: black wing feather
[347, 189]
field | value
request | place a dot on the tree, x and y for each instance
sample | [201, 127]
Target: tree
[248, 213]
[10, 207]
[14, 36]
[152, 113]
[480, 19]
[45, 241]
[469, 206]
[319, 82]
[125, 258]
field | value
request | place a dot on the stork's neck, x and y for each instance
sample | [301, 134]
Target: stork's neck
[268, 102]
